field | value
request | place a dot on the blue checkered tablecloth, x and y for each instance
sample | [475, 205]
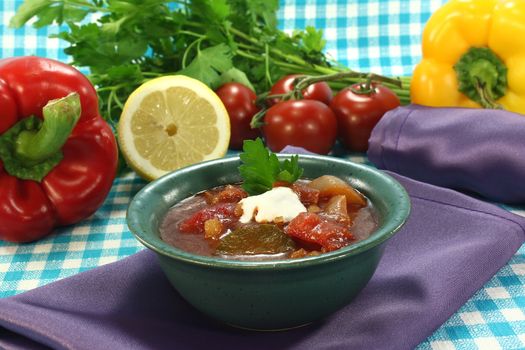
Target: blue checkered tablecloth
[375, 35]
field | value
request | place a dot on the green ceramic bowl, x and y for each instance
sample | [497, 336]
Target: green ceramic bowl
[268, 295]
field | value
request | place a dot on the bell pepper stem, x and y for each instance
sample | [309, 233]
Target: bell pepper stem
[59, 118]
[486, 99]
[482, 76]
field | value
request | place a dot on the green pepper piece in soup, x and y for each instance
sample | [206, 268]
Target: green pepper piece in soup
[256, 239]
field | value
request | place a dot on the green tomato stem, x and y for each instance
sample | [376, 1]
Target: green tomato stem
[305, 82]
[398, 85]
[256, 121]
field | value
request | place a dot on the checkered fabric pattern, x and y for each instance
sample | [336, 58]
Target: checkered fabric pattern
[27, 40]
[101, 239]
[382, 36]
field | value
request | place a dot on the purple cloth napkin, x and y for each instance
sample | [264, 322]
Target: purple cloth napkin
[450, 246]
[473, 150]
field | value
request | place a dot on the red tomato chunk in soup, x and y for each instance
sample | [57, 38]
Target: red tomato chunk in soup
[329, 214]
[315, 229]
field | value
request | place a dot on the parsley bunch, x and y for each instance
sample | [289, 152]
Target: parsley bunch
[127, 42]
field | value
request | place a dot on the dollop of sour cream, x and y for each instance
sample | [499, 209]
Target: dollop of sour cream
[279, 202]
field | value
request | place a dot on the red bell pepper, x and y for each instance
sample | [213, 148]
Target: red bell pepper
[58, 157]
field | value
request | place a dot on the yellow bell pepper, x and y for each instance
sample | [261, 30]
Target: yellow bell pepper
[473, 56]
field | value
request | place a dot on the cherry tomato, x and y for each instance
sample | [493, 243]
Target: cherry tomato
[318, 91]
[239, 101]
[357, 113]
[305, 123]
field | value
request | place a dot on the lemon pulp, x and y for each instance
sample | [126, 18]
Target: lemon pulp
[172, 122]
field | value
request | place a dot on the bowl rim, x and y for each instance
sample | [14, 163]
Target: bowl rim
[379, 236]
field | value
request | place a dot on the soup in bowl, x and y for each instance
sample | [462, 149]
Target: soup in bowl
[299, 266]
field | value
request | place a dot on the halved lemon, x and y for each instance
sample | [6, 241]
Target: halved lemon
[171, 122]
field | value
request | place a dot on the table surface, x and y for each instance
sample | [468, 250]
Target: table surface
[382, 36]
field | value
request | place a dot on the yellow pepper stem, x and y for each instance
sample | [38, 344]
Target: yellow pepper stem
[482, 76]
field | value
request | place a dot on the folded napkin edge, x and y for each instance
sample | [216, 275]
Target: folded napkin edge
[520, 225]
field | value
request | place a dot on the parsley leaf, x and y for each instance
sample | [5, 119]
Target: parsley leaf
[47, 12]
[313, 40]
[236, 75]
[261, 168]
[290, 171]
[214, 10]
[208, 64]
[246, 13]
[214, 41]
